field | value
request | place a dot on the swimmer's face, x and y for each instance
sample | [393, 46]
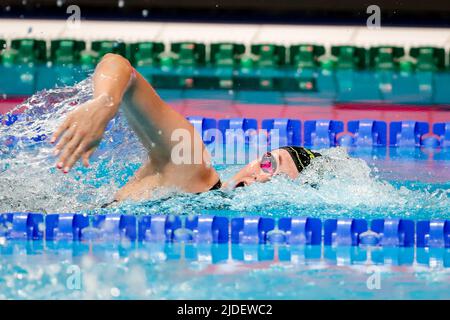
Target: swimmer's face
[263, 169]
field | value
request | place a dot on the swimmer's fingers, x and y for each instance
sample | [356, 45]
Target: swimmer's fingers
[66, 138]
[84, 151]
[74, 157]
[63, 127]
[86, 157]
[68, 152]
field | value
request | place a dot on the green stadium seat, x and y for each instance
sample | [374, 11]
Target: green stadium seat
[226, 54]
[189, 54]
[2, 49]
[429, 58]
[305, 55]
[29, 51]
[269, 55]
[145, 53]
[66, 51]
[104, 47]
[88, 60]
[385, 57]
[349, 57]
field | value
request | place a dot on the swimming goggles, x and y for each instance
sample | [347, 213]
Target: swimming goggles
[268, 163]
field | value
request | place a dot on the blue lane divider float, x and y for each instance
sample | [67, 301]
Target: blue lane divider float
[216, 229]
[229, 128]
[368, 133]
[407, 133]
[289, 130]
[322, 133]
[23, 225]
[433, 233]
[394, 232]
[343, 232]
[208, 229]
[301, 230]
[116, 226]
[65, 226]
[443, 131]
[202, 125]
[251, 230]
[158, 228]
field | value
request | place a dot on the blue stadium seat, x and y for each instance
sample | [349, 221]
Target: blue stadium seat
[202, 125]
[251, 230]
[230, 127]
[289, 130]
[443, 131]
[322, 133]
[368, 133]
[343, 232]
[116, 226]
[394, 232]
[158, 228]
[303, 231]
[433, 233]
[407, 133]
[24, 225]
[65, 226]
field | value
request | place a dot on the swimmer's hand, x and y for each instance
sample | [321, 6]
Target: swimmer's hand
[81, 133]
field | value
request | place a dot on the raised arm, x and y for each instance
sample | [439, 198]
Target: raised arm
[159, 127]
[82, 130]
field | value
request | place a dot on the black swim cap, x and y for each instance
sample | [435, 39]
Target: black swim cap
[301, 156]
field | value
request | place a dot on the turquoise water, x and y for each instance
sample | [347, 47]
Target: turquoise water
[372, 183]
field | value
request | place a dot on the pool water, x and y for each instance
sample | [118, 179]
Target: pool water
[359, 183]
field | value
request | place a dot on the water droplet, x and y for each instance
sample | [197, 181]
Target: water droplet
[121, 4]
[115, 292]
[145, 13]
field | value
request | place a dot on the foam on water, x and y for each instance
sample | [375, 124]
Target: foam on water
[334, 184]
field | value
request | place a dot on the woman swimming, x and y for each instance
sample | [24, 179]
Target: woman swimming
[117, 84]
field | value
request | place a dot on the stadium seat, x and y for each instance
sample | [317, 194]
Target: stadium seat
[66, 52]
[349, 57]
[29, 51]
[385, 57]
[190, 54]
[225, 55]
[305, 56]
[269, 55]
[107, 46]
[429, 58]
[145, 53]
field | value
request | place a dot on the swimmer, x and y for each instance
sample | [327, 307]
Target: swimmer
[116, 84]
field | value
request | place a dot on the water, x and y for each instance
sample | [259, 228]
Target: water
[343, 183]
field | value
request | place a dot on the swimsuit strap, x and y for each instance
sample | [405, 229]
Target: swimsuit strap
[217, 186]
